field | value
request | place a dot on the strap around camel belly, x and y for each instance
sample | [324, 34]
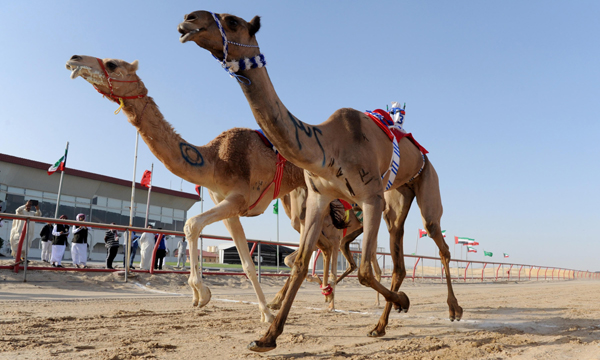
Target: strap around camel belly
[278, 172]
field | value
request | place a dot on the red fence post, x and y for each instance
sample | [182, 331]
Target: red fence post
[545, 273]
[20, 246]
[509, 269]
[497, 272]
[415, 268]
[483, 270]
[466, 267]
[520, 272]
[156, 245]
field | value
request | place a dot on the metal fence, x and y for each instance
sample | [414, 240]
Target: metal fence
[491, 273]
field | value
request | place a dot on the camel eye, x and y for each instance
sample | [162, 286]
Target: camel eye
[232, 22]
[111, 66]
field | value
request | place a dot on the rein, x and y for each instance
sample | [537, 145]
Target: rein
[232, 67]
[116, 98]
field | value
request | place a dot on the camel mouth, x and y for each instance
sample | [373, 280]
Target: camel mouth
[86, 72]
[185, 34]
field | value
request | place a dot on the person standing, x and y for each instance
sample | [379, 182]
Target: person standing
[79, 244]
[134, 246]
[46, 236]
[59, 243]
[17, 226]
[111, 240]
[181, 253]
[146, 247]
[161, 252]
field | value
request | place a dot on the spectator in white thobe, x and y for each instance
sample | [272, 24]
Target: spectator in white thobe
[146, 242]
[17, 226]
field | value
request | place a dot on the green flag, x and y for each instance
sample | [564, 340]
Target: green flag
[490, 254]
[276, 207]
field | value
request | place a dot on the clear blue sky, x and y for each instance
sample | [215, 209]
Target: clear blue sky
[502, 94]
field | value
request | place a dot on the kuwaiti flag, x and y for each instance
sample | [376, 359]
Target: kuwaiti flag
[463, 240]
[471, 249]
[60, 164]
[423, 233]
[505, 255]
[487, 253]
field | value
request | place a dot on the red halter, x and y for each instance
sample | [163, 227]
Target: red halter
[110, 80]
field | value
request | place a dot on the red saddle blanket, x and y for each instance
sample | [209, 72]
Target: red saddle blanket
[383, 119]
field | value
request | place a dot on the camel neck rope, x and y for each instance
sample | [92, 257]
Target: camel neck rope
[112, 95]
[232, 67]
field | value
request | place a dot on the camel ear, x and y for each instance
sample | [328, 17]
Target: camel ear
[134, 65]
[254, 25]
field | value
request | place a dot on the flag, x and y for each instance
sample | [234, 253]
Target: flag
[490, 254]
[463, 240]
[505, 255]
[276, 207]
[146, 178]
[60, 164]
[199, 190]
[471, 249]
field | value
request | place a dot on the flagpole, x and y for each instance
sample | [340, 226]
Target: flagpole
[149, 190]
[128, 239]
[62, 173]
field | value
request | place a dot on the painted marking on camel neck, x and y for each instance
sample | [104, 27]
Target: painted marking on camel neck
[191, 155]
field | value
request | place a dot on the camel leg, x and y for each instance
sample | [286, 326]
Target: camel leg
[327, 249]
[333, 277]
[398, 204]
[275, 304]
[315, 210]
[428, 197]
[345, 248]
[377, 271]
[234, 226]
[227, 208]
[372, 210]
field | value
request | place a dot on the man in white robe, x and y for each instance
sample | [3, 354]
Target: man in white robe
[146, 242]
[17, 226]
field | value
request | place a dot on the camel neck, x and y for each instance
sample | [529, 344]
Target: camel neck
[194, 164]
[296, 141]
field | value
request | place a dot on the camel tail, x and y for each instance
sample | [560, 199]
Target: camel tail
[338, 214]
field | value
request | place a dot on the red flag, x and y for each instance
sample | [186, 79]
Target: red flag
[198, 187]
[422, 233]
[146, 178]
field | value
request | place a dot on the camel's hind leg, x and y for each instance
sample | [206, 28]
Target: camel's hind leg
[345, 248]
[427, 190]
[397, 206]
[237, 233]
[377, 271]
[275, 304]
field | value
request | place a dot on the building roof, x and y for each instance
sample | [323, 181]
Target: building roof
[88, 175]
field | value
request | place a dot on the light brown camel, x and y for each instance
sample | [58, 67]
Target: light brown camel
[345, 157]
[236, 167]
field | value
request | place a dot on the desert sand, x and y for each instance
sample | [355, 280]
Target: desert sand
[66, 315]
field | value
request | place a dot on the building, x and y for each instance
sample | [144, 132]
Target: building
[228, 254]
[103, 199]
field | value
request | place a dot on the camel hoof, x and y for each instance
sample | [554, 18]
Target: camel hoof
[258, 346]
[375, 333]
[206, 295]
[268, 318]
[403, 304]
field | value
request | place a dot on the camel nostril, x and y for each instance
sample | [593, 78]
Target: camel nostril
[189, 17]
[75, 57]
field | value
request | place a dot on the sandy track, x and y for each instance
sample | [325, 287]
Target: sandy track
[97, 316]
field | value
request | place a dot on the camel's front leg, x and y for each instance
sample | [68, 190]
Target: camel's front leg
[315, 209]
[372, 210]
[239, 238]
[398, 204]
[377, 271]
[193, 226]
[327, 249]
[345, 248]
[333, 277]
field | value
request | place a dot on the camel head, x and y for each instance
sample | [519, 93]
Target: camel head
[112, 77]
[202, 28]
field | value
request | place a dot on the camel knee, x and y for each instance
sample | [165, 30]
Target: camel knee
[365, 276]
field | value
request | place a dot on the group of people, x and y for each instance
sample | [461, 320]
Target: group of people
[54, 239]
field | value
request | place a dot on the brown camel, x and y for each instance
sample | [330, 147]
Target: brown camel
[236, 167]
[346, 157]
